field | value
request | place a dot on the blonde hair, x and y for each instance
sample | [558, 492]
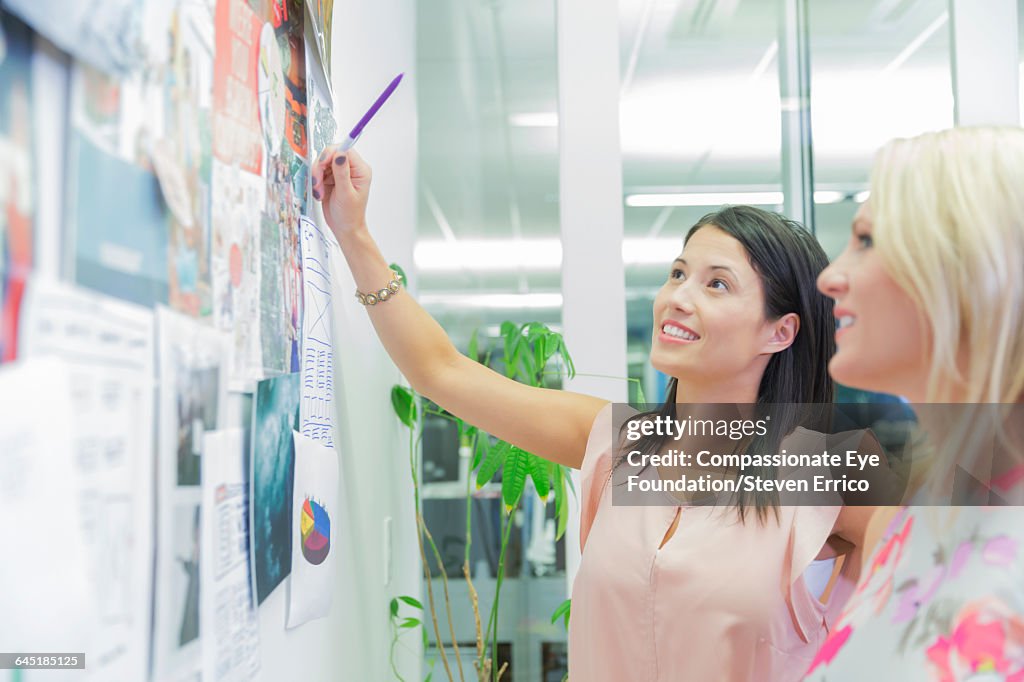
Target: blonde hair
[949, 225]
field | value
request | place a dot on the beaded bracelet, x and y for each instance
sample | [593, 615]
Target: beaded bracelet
[381, 295]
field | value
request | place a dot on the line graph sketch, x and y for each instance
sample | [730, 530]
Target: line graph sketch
[317, 407]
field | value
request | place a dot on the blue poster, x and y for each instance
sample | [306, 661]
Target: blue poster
[120, 225]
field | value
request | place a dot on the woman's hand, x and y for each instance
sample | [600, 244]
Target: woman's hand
[341, 183]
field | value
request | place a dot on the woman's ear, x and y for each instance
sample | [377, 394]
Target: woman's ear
[782, 333]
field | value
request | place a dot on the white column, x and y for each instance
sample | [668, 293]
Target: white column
[984, 58]
[590, 192]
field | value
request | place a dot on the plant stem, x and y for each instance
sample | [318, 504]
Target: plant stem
[469, 497]
[493, 620]
[420, 527]
[447, 600]
[474, 599]
[391, 657]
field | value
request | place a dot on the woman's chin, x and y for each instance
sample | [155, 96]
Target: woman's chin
[848, 371]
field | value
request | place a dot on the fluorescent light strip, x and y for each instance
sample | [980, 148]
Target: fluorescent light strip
[766, 60]
[488, 254]
[822, 196]
[503, 255]
[828, 196]
[545, 255]
[540, 119]
[502, 301]
[659, 251]
[704, 199]
[916, 44]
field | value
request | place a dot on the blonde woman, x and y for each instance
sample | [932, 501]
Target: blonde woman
[669, 592]
[930, 301]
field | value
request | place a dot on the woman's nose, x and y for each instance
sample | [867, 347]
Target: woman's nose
[682, 298]
[833, 281]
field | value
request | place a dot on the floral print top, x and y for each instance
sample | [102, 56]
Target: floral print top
[942, 599]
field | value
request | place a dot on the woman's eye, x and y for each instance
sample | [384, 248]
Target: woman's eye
[719, 284]
[864, 240]
[676, 274]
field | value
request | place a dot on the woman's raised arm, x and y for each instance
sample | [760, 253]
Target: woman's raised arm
[550, 423]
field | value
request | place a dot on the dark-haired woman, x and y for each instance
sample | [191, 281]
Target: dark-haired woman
[663, 592]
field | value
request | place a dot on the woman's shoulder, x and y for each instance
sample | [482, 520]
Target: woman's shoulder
[606, 429]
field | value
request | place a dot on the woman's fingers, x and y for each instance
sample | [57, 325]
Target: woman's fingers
[318, 173]
[359, 171]
[339, 165]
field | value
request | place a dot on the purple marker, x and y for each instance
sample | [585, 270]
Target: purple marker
[358, 130]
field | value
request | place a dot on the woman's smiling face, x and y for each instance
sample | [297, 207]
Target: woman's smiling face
[882, 338]
[709, 318]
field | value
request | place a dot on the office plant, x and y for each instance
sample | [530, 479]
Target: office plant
[524, 353]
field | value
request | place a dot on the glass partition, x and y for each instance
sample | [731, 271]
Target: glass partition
[487, 252]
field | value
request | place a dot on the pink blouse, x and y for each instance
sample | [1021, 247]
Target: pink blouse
[721, 601]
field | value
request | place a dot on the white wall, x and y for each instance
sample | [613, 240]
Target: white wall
[373, 41]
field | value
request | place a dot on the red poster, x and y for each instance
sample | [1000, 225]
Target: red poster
[236, 120]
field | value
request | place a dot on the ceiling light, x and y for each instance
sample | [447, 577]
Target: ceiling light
[541, 119]
[916, 44]
[488, 255]
[651, 251]
[766, 60]
[828, 196]
[704, 199]
[861, 197]
[503, 301]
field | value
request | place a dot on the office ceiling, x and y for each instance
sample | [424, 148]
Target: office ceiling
[697, 114]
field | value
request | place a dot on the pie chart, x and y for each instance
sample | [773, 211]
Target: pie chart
[316, 532]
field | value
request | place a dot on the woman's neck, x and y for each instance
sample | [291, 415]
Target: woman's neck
[698, 393]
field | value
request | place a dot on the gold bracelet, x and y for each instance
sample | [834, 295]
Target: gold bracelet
[381, 294]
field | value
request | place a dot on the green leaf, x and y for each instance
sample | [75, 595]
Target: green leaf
[562, 612]
[510, 342]
[528, 369]
[538, 355]
[426, 639]
[570, 368]
[409, 623]
[640, 399]
[561, 508]
[494, 459]
[540, 470]
[551, 345]
[513, 480]
[403, 402]
[483, 446]
[535, 331]
[400, 272]
[472, 351]
[412, 602]
[394, 608]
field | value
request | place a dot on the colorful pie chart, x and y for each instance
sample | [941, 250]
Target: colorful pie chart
[316, 532]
